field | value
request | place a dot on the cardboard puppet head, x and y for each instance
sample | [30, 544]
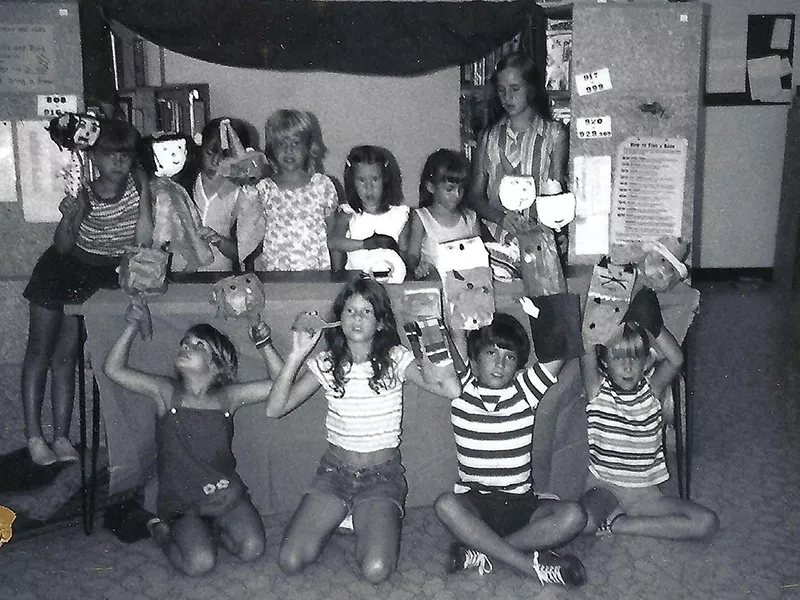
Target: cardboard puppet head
[610, 291]
[662, 265]
[238, 297]
[74, 131]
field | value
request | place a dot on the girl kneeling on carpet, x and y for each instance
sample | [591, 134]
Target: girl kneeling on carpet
[361, 474]
[201, 499]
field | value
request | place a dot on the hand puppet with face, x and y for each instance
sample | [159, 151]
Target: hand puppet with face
[463, 266]
[74, 131]
[611, 289]
[663, 264]
[556, 211]
[144, 271]
[517, 192]
[168, 159]
[239, 297]
[243, 166]
[540, 265]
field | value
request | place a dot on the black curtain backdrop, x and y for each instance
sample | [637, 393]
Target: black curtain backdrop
[390, 38]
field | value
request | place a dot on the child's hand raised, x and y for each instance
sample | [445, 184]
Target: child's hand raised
[260, 333]
[138, 313]
[307, 329]
[72, 205]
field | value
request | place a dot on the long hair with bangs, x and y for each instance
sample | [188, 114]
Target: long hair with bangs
[385, 338]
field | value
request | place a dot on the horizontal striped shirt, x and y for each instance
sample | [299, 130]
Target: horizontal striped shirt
[494, 430]
[363, 420]
[625, 437]
[109, 227]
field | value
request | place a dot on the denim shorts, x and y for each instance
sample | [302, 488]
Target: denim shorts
[504, 513]
[353, 486]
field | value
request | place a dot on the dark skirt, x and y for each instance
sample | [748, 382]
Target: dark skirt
[60, 279]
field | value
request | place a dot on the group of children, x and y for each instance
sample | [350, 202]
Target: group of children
[493, 510]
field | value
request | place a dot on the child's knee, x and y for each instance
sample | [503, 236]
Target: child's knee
[199, 563]
[708, 523]
[252, 548]
[574, 517]
[291, 561]
[445, 505]
[377, 569]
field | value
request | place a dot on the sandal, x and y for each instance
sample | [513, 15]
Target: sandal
[157, 528]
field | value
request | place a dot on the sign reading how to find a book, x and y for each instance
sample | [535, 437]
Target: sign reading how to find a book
[647, 202]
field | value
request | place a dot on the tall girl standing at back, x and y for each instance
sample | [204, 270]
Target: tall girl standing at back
[362, 373]
[441, 216]
[374, 216]
[96, 227]
[524, 140]
[298, 199]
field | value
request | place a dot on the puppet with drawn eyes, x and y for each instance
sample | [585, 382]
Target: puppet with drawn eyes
[75, 133]
[663, 265]
[169, 160]
[239, 297]
[611, 289]
[467, 283]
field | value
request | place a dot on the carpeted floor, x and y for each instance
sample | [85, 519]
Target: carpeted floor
[745, 361]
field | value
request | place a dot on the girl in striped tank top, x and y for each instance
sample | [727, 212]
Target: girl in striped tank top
[109, 215]
[362, 374]
[626, 387]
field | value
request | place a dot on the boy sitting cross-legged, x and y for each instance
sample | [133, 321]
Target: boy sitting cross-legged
[493, 510]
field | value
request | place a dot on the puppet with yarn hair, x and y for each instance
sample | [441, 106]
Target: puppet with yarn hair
[75, 133]
[169, 160]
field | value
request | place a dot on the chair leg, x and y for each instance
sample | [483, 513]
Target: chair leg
[88, 479]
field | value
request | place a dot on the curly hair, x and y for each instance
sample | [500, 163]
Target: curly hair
[385, 338]
[288, 122]
[443, 165]
[223, 352]
[390, 173]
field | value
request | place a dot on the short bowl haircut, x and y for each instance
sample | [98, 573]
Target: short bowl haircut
[372, 155]
[116, 136]
[285, 122]
[631, 343]
[449, 165]
[223, 352]
[506, 332]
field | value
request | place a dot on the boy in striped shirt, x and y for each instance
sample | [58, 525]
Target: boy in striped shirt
[624, 413]
[493, 510]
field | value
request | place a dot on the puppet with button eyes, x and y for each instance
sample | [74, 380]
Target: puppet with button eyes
[466, 276]
[169, 160]
[239, 297]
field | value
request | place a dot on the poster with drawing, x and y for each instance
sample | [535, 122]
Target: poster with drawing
[558, 40]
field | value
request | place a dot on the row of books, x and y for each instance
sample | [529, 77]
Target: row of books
[479, 72]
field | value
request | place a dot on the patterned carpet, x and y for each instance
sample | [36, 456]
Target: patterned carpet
[745, 361]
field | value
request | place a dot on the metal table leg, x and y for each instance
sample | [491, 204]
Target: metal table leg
[88, 479]
[681, 393]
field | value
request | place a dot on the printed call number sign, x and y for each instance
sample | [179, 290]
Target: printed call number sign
[591, 83]
[593, 128]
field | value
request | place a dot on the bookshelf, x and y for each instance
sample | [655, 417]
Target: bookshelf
[178, 108]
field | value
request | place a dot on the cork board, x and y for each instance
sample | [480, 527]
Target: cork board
[654, 55]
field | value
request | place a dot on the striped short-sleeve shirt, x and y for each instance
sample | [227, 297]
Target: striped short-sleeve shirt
[363, 420]
[625, 437]
[494, 431]
[110, 227]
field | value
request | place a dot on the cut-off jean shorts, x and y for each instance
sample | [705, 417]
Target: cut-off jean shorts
[353, 486]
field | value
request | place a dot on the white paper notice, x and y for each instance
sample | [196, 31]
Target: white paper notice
[592, 128]
[591, 185]
[40, 161]
[8, 170]
[647, 202]
[764, 75]
[781, 34]
[591, 83]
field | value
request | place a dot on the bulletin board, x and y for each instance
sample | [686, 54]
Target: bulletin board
[40, 73]
[635, 101]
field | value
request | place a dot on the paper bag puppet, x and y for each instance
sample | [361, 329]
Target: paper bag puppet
[611, 288]
[239, 297]
[466, 276]
[144, 271]
[540, 265]
[556, 211]
[420, 312]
